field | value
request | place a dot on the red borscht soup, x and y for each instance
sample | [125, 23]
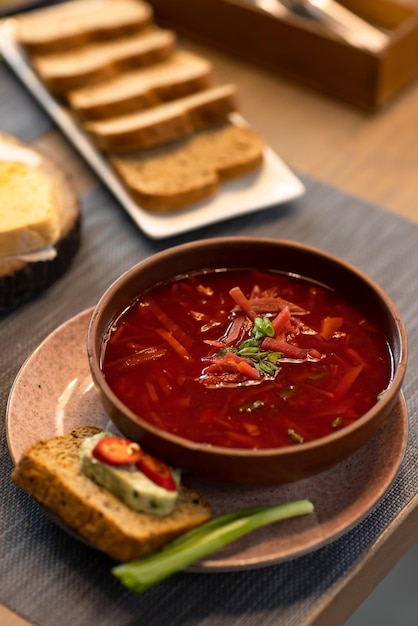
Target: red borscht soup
[246, 359]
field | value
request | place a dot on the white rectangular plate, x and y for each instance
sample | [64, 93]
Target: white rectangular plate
[273, 184]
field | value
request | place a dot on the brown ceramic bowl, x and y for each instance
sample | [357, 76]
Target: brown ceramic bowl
[239, 466]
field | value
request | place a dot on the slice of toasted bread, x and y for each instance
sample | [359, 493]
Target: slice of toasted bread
[164, 123]
[50, 472]
[181, 74]
[39, 208]
[66, 71]
[171, 177]
[72, 24]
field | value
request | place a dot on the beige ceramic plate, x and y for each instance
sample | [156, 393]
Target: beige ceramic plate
[54, 392]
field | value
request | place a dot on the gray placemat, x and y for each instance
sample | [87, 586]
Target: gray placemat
[50, 578]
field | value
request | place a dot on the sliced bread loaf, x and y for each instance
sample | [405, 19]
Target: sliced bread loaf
[164, 123]
[50, 472]
[39, 208]
[72, 24]
[134, 94]
[64, 71]
[181, 74]
[174, 176]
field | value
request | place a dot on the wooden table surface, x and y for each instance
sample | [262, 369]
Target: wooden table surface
[372, 156]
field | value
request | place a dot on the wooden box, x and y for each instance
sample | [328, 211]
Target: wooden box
[303, 50]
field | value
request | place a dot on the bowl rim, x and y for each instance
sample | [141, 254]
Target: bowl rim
[390, 396]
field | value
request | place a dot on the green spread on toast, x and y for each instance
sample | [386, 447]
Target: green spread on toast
[126, 482]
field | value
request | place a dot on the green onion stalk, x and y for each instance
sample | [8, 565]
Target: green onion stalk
[140, 574]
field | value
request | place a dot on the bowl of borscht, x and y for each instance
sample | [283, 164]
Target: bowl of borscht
[247, 360]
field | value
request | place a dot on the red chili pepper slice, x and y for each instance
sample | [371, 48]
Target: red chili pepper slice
[157, 471]
[117, 451]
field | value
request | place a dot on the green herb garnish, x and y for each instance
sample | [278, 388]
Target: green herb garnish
[318, 376]
[289, 392]
[262, 328]
[294, 436]
[264, 361]
[251, 406]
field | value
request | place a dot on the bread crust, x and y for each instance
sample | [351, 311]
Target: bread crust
[181, 74]
[74, 24]
[95, 62]
[50, 472]
[166, 122]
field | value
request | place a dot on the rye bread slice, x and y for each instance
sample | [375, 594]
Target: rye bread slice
[64, 71]
[73, 24]
[138, 89]
[50, 472]
[176, 175]
[166, 122]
